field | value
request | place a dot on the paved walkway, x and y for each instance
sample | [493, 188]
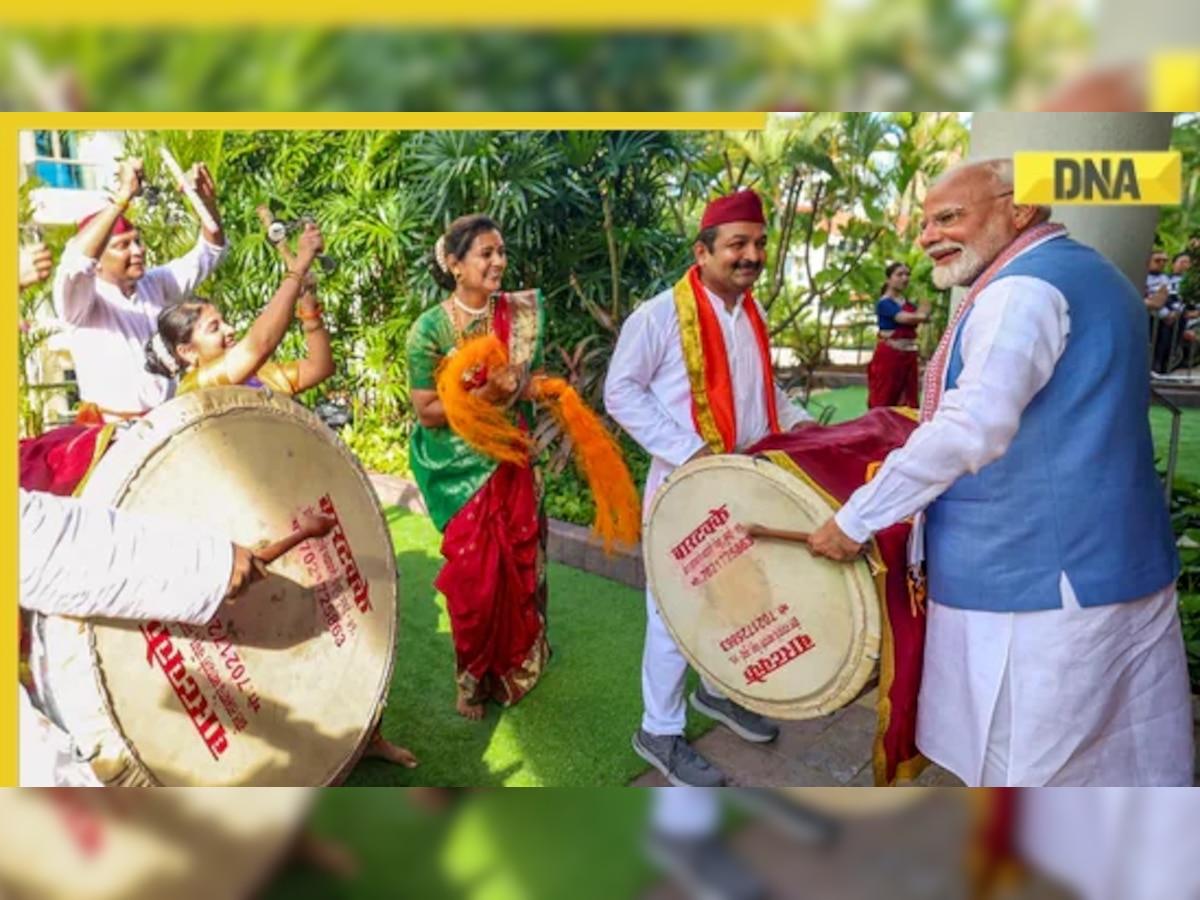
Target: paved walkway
[917, 853]
[834, 751]
[831, 752]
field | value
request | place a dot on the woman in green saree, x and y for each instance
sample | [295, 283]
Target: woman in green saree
[490, 513]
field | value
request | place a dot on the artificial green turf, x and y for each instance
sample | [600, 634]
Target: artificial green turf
[572, 730]
[851, 402]
[509, 845]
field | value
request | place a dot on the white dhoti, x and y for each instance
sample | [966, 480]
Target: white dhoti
[1115, 843]
[1066, 697]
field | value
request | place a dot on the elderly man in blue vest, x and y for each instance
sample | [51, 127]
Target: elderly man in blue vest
[1054, 653]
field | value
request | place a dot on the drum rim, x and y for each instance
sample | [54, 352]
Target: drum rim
[868, 623]
[180, 414]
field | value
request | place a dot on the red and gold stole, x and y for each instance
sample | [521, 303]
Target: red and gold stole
[713, 407]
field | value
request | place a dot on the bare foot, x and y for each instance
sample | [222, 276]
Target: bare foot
[469, 710]
[431, 799]
[381, 748]
[326, 856]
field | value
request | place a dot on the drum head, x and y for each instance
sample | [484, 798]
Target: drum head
[782, 632]
[282, 687]
[145, 845]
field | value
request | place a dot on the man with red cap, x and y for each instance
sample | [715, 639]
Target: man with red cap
[110, 301]
[707, 330]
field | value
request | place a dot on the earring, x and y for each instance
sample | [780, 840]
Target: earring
[458, 275]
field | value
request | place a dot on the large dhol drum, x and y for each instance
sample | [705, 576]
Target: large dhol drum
[196, 844]
[784, 633]
[282, 687]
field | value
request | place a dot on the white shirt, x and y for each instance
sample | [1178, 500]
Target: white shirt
[648, 392]
[88, 561]
[107, 331]
[1011, 342]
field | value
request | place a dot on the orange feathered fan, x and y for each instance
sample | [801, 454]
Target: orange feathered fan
[487, 429]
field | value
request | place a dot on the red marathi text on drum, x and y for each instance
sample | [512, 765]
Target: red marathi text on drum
[78, 812]
[760, 623]
[761, 642]
[354, 579]
[159, 646]
[338, 585]
[720, 552]
[758, 670]
[222, 668]
[716, 518]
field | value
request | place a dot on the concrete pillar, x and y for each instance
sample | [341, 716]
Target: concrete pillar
[1124, 234]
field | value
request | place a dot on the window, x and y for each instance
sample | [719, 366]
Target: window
[55, 164]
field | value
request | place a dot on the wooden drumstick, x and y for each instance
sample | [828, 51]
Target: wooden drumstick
[761, 531]
[193, 198]
[310, 527]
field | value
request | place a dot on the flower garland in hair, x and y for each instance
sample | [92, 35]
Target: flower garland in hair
[165, 356]
[439, 254]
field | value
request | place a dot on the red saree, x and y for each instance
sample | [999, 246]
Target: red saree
[495, 588]
[494, 531]
[892, 377]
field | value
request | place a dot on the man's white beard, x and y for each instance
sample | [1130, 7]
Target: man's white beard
[963, 270]
[970, 261]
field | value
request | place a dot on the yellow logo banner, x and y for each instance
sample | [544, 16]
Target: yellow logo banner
[1110, 179]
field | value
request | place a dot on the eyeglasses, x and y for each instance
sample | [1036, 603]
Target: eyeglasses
[947, 218]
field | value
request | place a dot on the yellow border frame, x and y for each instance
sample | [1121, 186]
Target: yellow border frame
[531, 14]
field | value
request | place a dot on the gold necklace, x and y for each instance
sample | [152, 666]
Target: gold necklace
[465, 330]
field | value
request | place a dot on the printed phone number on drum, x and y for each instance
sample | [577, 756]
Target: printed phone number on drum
[767, 619]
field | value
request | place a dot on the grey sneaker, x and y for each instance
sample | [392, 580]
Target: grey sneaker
[745, 724]
[704, 868]
[677, 760]
[798, 822]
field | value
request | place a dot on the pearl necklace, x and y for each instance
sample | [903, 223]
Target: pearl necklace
[469, 310]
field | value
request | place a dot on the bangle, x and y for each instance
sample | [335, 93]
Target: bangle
[299, 279]
[309, 316]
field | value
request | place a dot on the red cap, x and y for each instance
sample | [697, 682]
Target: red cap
[120, 226]
[743, 206]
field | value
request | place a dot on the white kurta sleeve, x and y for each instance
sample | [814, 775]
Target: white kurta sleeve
[628, 399]
[176, 280]
[74, 289]
[82, 560]
[790, 414]
[1011, 342]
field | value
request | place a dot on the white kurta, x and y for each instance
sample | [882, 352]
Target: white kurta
[107, 331]
[84, 561]
[1114, 843]
[1071, 696]
[648, 393]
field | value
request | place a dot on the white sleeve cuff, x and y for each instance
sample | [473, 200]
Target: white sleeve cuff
[852, 525]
